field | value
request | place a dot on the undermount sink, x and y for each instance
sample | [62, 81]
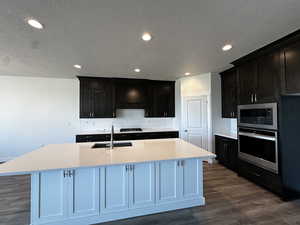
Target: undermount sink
[107, 145]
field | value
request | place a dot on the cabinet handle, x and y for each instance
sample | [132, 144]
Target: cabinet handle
[70, 173]
[182, 162]
[114, 114]
[126, 167]
[255, 99]
[251, 98]
[178, 163]
[65, 173]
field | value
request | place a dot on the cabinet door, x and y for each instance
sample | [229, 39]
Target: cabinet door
[229, 94]
[84, 192]
[220, 150]
[162, 102]
[268, 78]
[233, 155]
[96, 98]
[86, 99]
[142, 185]
[114, 188]
[192, 178]
[167, 175]
[247, 73]
[130, 94]
[49, 196]
[292, 68]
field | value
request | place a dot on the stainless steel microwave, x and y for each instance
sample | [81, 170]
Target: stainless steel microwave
[258, 116]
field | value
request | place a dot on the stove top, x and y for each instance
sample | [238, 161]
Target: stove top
[130, 129]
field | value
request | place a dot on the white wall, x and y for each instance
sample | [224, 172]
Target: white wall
[207, 84]
[39, 111]
[35, 112]
[219, 124]
[197, 86]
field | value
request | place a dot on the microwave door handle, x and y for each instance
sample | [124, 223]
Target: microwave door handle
[258, 136]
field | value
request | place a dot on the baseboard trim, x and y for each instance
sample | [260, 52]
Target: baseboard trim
[130, 213]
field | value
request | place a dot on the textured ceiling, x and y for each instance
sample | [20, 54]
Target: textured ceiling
[104, 35]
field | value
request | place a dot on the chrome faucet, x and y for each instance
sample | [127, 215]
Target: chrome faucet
[112, 137]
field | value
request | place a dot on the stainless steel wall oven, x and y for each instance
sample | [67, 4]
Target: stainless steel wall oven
[258, 136]
[259, 147]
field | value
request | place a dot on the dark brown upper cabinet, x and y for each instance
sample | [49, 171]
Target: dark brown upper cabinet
[229, 93]
[96, 98]
[100, 97]
[259, 79]
[267, 73]
[291, 67]
[247, 74]
[131, 93]
[161, 100]
[268, 78]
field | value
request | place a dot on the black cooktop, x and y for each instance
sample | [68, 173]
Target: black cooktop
[130, 129]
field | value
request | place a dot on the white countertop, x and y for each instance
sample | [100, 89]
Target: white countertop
[227, 135]
[117, 130]
[75, 155]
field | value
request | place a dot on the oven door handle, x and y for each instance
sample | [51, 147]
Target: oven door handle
[258, 136]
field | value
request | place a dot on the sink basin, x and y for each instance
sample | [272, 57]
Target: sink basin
[116, 144]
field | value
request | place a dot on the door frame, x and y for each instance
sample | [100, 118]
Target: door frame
[208, 113]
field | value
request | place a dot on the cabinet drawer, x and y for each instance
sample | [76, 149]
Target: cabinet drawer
[126, 136]
[160, 135]
[260, 176]
[92, 138]
[130, 136]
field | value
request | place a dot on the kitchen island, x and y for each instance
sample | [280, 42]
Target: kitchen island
[76, 184]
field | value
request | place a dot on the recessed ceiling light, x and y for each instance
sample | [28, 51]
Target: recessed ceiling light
[137, 70]
[147, 37]
[187, 73]
[35, 23]
[77, 66]
[227, 47]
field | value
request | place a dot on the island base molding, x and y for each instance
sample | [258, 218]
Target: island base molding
[130, 213]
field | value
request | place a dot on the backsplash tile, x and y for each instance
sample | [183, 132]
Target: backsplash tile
[127, 118]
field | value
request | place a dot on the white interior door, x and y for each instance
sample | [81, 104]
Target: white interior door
[195, 121]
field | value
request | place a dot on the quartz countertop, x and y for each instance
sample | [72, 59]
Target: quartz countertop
[227, 135]
[117, 130]
[76, 155]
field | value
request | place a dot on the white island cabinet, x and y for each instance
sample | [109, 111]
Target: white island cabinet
[94, 186]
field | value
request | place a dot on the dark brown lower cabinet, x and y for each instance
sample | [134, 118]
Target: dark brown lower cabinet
[262, 177]
[126, 136]
[227, 151]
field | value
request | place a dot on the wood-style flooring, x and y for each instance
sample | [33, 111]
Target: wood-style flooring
[230, 200]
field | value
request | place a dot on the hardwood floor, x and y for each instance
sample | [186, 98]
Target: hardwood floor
[15, 200]
[230, 200]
